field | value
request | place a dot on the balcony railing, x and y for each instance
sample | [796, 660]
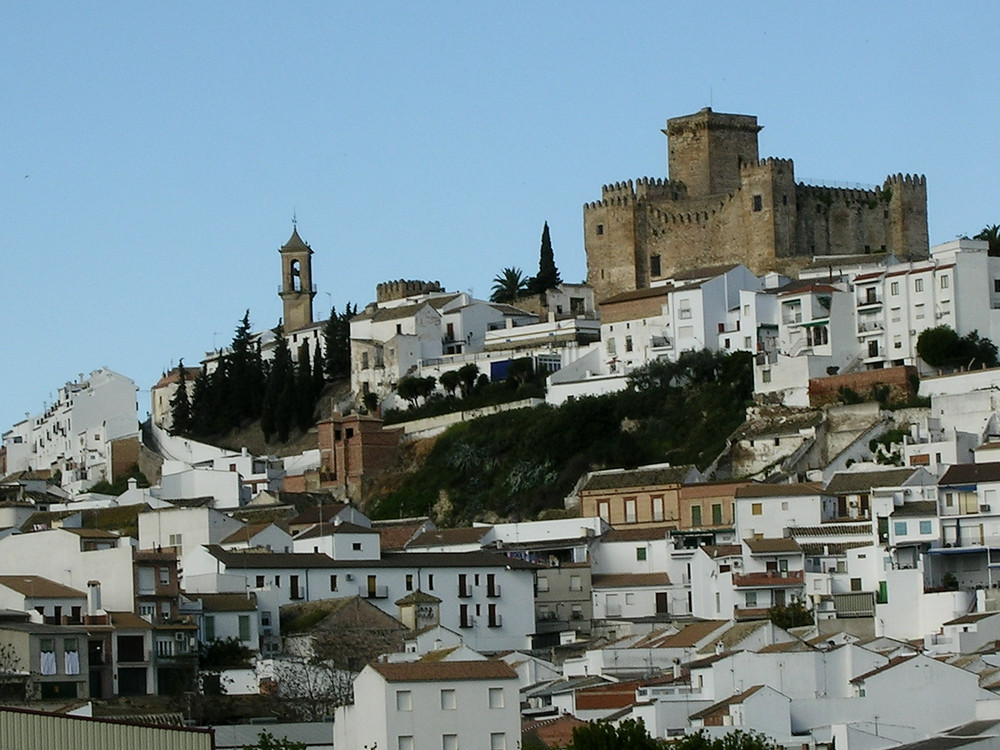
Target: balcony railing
[770, 579]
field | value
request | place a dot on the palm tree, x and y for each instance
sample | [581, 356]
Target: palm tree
[509, 285]
[992, 236]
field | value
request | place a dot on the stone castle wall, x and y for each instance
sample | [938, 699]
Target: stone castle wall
[766, 220]
[391, 290]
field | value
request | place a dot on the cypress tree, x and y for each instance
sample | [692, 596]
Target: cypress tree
[318, 378]
[548, 274]
[337, 338]
[304, 398]
[180, 405]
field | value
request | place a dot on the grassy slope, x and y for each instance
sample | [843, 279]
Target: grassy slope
[516, 464]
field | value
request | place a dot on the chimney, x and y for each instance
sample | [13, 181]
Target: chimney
[93, 597]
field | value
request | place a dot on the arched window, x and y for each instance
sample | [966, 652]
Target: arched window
[295, 276]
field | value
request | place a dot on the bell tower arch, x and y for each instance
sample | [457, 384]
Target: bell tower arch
[297, 290]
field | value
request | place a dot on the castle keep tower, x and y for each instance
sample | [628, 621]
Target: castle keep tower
[297, 290]
[706, 150]
[723, 204]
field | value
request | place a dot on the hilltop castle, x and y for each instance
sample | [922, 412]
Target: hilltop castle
[723, 204]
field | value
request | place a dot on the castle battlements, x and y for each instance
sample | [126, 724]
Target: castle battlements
[401, 288]
[722, 203]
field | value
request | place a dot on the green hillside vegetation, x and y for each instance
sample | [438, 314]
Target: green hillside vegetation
[519, 464]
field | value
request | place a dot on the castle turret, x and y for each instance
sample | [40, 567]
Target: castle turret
[297, 290]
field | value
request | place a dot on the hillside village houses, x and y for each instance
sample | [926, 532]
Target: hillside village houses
[653, 597]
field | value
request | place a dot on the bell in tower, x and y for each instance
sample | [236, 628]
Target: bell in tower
[297, 289]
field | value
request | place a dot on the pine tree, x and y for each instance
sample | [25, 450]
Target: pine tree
[548, 274]
[180, 405]
[318, 377]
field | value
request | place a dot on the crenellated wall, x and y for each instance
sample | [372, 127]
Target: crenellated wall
[723, 204]
[401, 288]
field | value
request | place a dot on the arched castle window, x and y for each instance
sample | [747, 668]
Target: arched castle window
[295, 274]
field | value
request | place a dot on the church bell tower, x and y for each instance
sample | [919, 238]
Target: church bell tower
[297, 289]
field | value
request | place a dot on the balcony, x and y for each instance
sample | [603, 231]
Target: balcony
[771, 579]
[869, 327]
[493, 592]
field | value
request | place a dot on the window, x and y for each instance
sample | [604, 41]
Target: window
[496, 697]
[449, 742]
[448, 702]
[575, 583]
[657, 508]
[498, 741]
[684, 309]
[430, 582]
[176, 540]
[493, 616]
[277, 582]
[630, 510]
[925, 527]
[542, 584]
[612, 351]
[640, 553]
[716, 514]
[208, 626]
[333, 582]
[244, 622]
[996, 285]
[356, 546]
[944, 282]
[600, 229]
[757, 509]
[409, 582]
[604, 511]
[918, 285]
[47, 657]
[765, 376]
[628, 343]
[164, 576]
[751, 598]
[404, 742]
[260, 582]
[654, 265]
[758, 203]
[718, 602]
[894, 288]
[696, 515]
[899, 527]
[404, 700]
[71, 656]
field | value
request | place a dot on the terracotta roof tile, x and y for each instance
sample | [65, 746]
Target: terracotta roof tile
[421, 671]
[37, 586]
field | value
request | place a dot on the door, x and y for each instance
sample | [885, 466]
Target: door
[661, 602]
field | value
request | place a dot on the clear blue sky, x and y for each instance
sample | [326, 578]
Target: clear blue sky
[152, 154]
